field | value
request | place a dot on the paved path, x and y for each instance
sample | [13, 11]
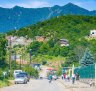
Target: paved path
[43, 85]
[37, 85]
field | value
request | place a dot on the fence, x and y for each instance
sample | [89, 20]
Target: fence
[87, 73]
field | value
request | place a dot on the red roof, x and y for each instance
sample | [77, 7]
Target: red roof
[52, 69]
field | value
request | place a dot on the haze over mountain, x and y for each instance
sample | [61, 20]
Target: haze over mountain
[17, 17]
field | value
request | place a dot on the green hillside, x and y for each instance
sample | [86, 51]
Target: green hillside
[71, 27]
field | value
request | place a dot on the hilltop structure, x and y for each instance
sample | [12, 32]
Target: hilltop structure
[93, 33]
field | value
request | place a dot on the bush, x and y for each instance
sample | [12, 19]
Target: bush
[31, 71]
[4, 83]
[1, 74]
[59, 72]
[44, 62]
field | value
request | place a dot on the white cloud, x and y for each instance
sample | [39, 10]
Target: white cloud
[36, 4]
[78, 3]
[30, 4]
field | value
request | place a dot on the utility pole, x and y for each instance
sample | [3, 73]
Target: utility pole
[30, 55]
[95, 74]
[20, 62]
[10, 53]
[15, 59]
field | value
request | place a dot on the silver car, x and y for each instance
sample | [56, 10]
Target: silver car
[20, 79]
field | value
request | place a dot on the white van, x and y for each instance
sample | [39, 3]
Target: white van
[17, 72]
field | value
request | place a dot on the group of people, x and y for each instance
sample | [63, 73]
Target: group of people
[73, 77]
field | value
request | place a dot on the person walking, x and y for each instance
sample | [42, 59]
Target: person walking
[77, 76]
[50, 78]
[73, 78]
[62, 77]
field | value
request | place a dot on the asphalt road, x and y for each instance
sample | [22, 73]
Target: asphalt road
[37, 85]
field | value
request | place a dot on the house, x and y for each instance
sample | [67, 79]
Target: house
[93, 33]
[18, 40]
[40, 38]
[64, 42]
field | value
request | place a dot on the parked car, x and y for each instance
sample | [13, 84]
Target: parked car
[16, 72]
[25, 75]
[20, 79]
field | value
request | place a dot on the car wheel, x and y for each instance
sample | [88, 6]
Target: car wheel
[25, 82]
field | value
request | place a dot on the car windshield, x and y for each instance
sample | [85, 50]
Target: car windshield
[20, 76]
[24, 74]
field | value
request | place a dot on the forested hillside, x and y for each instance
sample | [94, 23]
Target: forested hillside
[71, 27]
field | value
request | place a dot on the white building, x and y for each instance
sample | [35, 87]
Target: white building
[93, 33]
[64, 42]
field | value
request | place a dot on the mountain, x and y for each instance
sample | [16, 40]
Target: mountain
[18, 17]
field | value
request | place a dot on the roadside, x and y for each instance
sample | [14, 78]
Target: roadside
[78, 86]
[4, 83]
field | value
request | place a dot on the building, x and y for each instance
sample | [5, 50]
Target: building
[40, 38]
[18, 40]
[64, 42]
[93, 33]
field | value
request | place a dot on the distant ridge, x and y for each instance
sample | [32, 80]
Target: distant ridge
[18, 17]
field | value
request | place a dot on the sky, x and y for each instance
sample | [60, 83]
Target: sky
[87, 4]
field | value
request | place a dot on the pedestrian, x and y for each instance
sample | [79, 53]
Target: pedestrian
[62, 77]
[73, 78]
[68, 78]
[50, 78]
[77, 76]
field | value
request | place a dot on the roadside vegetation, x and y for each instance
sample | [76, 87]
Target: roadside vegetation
[3, 63]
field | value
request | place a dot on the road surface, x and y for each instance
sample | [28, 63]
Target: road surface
[37, 85]
[44, 85]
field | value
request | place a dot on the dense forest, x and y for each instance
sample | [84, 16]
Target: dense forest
[71, 27]
[3, 43]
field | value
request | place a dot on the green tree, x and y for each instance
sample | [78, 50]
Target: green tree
[87, 59]
[64, 51]
[3, 43]
[44, 49]
[1, 74]
[35, 46]
[56, 49]
[31, 71]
